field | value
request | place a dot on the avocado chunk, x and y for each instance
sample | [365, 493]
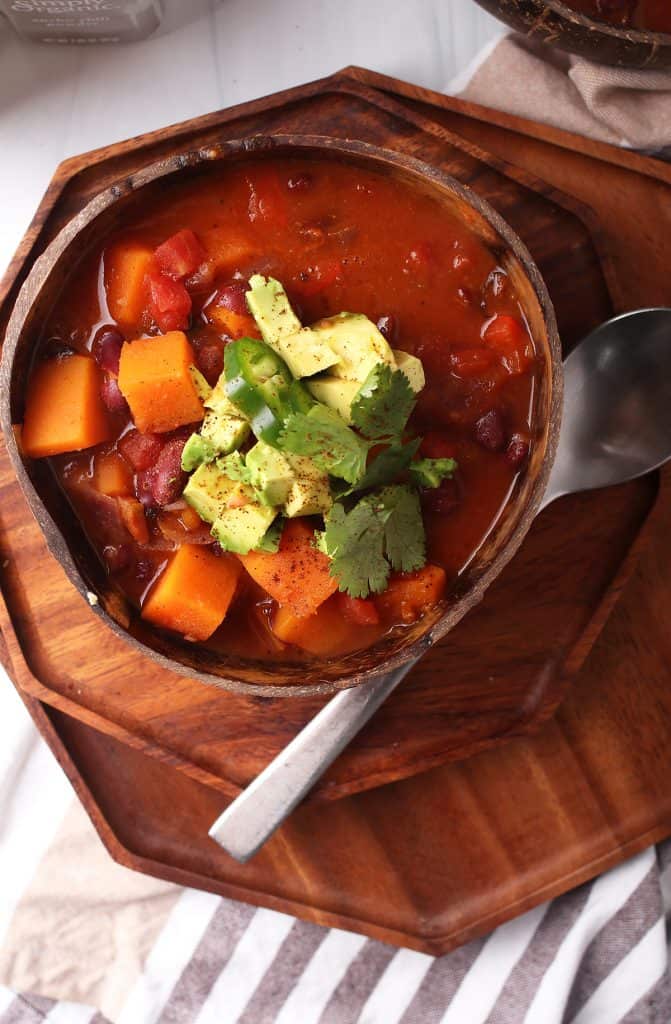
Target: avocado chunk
[412, 367]
[357, 343]
[208, 490]
[270, 474]
[243, 524]
[196, 451]
[219, 402]
[335, 392]
[303, 351]
[224, 433]
[203, 389]
[309, 494]
[233, 466]
[239, 522]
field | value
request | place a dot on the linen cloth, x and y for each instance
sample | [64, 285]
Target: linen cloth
[84, 939]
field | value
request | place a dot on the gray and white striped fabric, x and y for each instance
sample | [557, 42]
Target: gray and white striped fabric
[595, 956]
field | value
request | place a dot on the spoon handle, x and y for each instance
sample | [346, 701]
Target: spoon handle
[261, 808]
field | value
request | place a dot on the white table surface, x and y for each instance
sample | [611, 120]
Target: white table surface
[58, 101]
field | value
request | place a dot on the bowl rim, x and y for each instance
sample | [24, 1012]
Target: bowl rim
[274, 144]
[632, 35]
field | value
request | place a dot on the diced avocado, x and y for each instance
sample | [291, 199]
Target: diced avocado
[356, 342]
[270, 474]
[208, 490]
[412, 367]
[195, 451]
[304, 352]
[269, 305]
[224, 433]
[219, 402]
[270, 542]
[203, 389]
[234, 466]
[335, 392]
[239, 522]
[309, 494]
[242, 526]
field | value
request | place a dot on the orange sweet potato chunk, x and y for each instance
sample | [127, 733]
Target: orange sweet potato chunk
[324, 633]
[64, 411]
[126, 264]
[134, 519]
[297, 575]
[112, 475]
[410, 594]
[154, 379]
[193, 593]
[233, 325]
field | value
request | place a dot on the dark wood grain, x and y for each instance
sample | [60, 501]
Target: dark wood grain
[432, 861]
[491, 679]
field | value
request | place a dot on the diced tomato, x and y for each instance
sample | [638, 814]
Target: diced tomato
[410, 594]
[507, 336]
[469, 362]
[267, 198]
[169, 302]
[359, 610]
[141, 450]
[180, 255]
[318, 277]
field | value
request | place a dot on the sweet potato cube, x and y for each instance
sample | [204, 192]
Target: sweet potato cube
[297, 575]
[324, 633]
[64, 411]
[154, 379]
[112, 475]
[126, 265]
[193, 593]
[410, 594]
[233, 325]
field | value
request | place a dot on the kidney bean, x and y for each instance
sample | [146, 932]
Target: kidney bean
[443, 499]
[141, 450]
[517, 451]
[490, 432]
[166, 479]
[210, 360]
[111, 394]
[232, 296]
[106, 349]
[388, 327]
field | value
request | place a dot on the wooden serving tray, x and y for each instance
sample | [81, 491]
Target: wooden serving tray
[434, 860]
[502, 671]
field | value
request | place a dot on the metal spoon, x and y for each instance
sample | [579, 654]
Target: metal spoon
[616, 426]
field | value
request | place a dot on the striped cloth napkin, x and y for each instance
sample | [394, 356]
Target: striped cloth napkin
[85, 940]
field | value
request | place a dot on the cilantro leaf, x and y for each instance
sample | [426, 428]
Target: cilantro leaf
[404, 537]
[432, 472]
[383, 403]
[355, 542]
[323, 436]
[388, 465]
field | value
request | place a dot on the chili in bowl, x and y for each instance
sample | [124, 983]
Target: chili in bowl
[283, 408]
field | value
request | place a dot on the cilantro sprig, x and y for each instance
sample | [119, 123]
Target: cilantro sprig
[324, 437]
[383, 531]
[382, 406]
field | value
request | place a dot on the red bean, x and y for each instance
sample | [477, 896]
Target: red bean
[490, 432]
[106, 349]
[443, 499]
[111, 394]
[232, 296]
[210, 360]
[166, 479]
[141, 450]
[388, 327]
[517, 451]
